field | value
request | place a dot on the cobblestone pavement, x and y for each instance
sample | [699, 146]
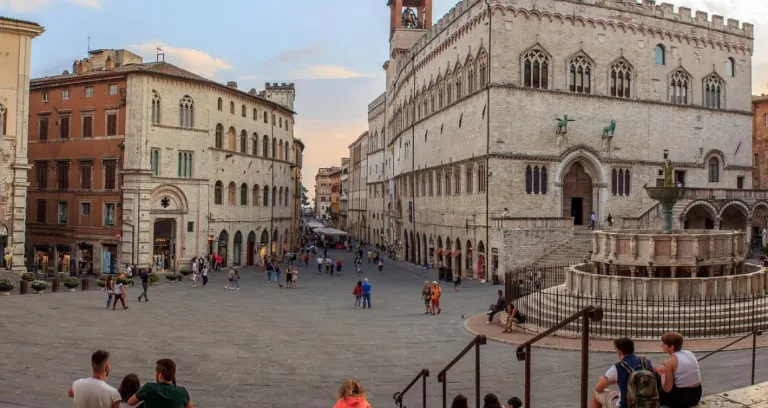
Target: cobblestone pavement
[263, 346]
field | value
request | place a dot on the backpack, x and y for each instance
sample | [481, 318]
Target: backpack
[642, 389]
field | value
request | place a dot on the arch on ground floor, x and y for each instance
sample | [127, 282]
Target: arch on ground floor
[577, 176]
[418, 250]
[250, 249]
[237, 249]
[424, 248]
[734, 215]
[405, 245]
[263, 245]
[469, 257]
[413, 249]
[275, 240]
[285, 240]
[482, 272]
[457, 262]
[223, 247]
[439, 251]
[448, 260]
[699, 214]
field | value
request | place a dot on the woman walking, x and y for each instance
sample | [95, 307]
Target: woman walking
[358, 292]
[119, 294]
[456, 280]
[426, 296]
[435, 294]
[295, 278]
[110, 286]
[144, 285]
[288, 277]
[205, 275]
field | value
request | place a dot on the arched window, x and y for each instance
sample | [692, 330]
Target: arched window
[221, 105]
[156, 108]
[678, 87]
[528, 180]
[232, 139]
[187, 112]
[287, 201]
[255, 114]
[714, 170]
[219, 143]
[621, 182]
[217, 192]
[274, 148]
[470, 170]
[536, 69]
[265, 146]
[713, 87]
[255, 145]
[266, 120]
[255, 199]
[3, 113]
[660, 55]
[243, 141]
[287, 153]
[231, 193]
[730, 67]
[544, 180]
[244, 111]
[580, 75]
[448, 182]
[265, 198]
[440, 97]
[459, 88]
[274, 194]
[481, 178]
[281, 122]
[536, 180]
[232, 108]
[471, 76]
[614, 182]
[243, 194]
[626, 182]
[280, 149]
[621, 79]
[280, 197]
[457, 180]
[448, 89]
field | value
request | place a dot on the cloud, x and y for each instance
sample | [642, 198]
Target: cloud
[23, 6]
[193, 60]
[95, 4]
[297, 54]
[255, 77]
[323, 71]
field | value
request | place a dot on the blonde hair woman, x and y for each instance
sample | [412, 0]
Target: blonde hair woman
[351, 395]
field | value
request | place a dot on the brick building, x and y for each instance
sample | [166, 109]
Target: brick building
[323, 191]
[344, 195]
[335, 209]
[16, 48]
[760, 141]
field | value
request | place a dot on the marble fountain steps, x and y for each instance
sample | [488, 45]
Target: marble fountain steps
[572, 251]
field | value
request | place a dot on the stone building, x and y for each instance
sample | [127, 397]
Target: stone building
[15, 54]
[202, 167]
[296, 177]
[323, 191]
[760, 141]
[357, 187]
[335, 196]
[344, 194]
[512, 110]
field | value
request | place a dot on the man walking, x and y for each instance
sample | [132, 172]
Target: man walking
[592, 219]
[94, 392]
[144, 284]
[366, 293]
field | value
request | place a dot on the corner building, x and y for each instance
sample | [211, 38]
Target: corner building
[467, 142]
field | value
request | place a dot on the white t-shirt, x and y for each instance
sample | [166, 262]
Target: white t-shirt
[613, 375]
[194, 267]
[118, 288]
[93, 393]
[320, 261]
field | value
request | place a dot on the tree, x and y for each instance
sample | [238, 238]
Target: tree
[304, 198]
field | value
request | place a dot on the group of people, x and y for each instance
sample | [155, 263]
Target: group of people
[489, 401]
[514, 316]
[362, 292]
[430, 294]
[115, 288]
[95, 392]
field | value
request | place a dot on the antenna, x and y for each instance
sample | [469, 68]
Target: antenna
[160, 54]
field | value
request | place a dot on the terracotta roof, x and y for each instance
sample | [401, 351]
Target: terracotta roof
[15, 20]
[160, 67]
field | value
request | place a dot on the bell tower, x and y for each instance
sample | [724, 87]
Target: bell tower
[410, 15]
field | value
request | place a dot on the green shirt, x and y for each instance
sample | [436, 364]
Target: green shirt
[159, 395]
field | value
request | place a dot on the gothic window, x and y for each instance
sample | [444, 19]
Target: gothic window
[255, 114]
[231, 193]
[155, 108]
[287, 153]
[448, 89]
[482, 69]
[417, 185]
[730, 67]
[470, 78]
[243, 111]
[536, 179]
[285, 199]
[481, 178]
[266, 118]
[714, 170]
[543, 180]
[232, 108]
[459, 88]
[528, 180]
[580, 75]
[424, 184]
[280, 197]
[447, 182]
[626, 182]
[659, 55]
[243, 141]
[255, 198]
[440, 98]
[678, 87]
[620, 182]
[274, 196]
[483, 74]
[255, 145]
[431, 184]
[221, 104]
[218, 192]
[439, 178]
[713, 90]
[265, 146]
[457, 180]
[3, 113]
[244, 194]
[186, 112]
[614, 182]
[265, 197]
[470, 170]
[274, 148]
[621, 79]
[536, 69]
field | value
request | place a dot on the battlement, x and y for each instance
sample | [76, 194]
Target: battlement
[279, 87]
[376, 102]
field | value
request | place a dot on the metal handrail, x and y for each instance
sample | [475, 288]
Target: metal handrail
[588, 313]
[423, 374]
[754, 334]
[478, 341]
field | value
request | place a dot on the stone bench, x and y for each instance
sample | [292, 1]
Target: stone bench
[752, 396]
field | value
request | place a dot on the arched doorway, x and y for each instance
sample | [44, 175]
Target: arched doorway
[577, 194]
[413, 249]
[251, 248]
[734, 217]
[237, 249]
[468, 258]
[275, 240]
[700, 216]
[439, 252]
[223, 247]
[481, 265]
[447, 252]
[285, 240]
[263, 246]
[405, 246]
[458, 256]
[164, 243]
[418, 249]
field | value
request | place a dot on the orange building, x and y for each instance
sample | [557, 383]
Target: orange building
[76, 140]
[335, 195]
[760, 141]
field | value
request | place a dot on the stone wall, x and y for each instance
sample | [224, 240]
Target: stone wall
[523, 246]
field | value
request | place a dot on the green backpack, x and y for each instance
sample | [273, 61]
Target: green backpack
[642, 389]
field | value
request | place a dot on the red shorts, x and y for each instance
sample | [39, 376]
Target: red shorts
[436, 302]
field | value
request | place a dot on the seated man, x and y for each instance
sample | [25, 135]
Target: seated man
[645, 390]
[496, 308]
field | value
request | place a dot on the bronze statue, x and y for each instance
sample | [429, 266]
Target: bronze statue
[562, 125]
[669, 174]
[608, 130]
[409, 19]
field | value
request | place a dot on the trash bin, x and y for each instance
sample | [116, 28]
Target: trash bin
[86, 284]
[56, 285]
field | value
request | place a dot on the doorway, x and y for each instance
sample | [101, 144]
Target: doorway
[577, 194]
[165, 244]
[577, 210]
[251, 248]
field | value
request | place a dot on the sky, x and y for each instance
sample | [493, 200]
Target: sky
[333, 50]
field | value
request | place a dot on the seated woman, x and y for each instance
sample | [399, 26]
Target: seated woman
[680, 375]
[513, 318]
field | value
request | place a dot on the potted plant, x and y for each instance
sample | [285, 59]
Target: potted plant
[101, 282]
[39, 285]
[6, 286]
[28, 276]
[185, 272]
[171, 278]
[71, 283]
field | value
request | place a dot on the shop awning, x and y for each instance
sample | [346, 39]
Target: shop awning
[455, 253]
[330, 231]
[438, 251]
[314, 225]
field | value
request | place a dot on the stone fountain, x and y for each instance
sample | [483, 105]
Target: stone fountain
[667, 195]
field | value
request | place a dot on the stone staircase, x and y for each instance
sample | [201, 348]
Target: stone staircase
[572, 251]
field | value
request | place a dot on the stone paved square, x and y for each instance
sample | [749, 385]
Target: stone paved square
[267, 347]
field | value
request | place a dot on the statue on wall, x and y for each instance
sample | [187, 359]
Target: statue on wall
[608, 130]
[562, 125]
[669, 174]
[409, 19]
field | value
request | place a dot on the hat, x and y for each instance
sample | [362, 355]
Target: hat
[515, 402]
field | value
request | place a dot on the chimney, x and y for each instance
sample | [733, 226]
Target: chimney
[109, 64]
[232, 84]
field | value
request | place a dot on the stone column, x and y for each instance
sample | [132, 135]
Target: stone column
[718, 220]
[673, 271]
[633, 271]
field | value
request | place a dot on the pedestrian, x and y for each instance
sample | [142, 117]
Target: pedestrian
[435, 293]
[381, 266]
[426, 296]
[288, 277]
[295, 278]
[129, 386]
[320, 262]
[592, 219]
[277, 273]
[338, 266]
[514, 402]
[329, 265]
[237, 279]
[163, 393]
[219, 260]
[359, 265]
[230, 279]
[456, 280]
[370, 256]
[460, 402]
[306, 259]
[644, 384]
[110, 285]
[366, 293]
[351, 395]
[94, 392]
[358, 292]
[270, 270]
[194, 275]
[144, 285]
[119, 294]
[205, 274]
[491, 401]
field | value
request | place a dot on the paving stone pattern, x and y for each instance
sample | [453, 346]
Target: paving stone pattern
[267, 347]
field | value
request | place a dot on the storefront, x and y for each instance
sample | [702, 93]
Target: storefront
[223, 247]
[43, 254]
[109, 259]
[164, 244]
[63, 259]
[85, 259]
[263, 246]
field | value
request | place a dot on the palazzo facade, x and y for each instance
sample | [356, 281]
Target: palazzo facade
[513, 109]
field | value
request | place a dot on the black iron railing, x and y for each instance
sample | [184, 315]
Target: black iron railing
[754, 335]
[423, 374]
[478, 341]
[587, 314]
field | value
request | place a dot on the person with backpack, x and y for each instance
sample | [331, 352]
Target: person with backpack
[635, 379]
